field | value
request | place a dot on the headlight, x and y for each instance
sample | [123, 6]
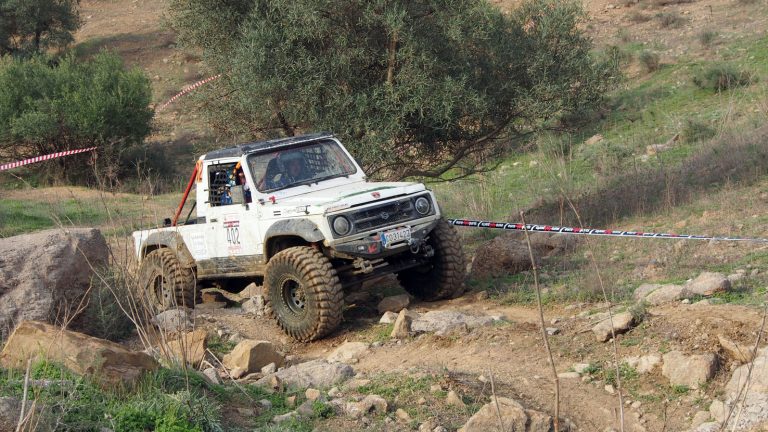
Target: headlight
[341, 226]
[422, 205]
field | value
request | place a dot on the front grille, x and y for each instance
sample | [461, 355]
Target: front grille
[382, 215]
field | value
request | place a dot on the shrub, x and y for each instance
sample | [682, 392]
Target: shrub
[639, 17]
[670, 19]
[707, 37]
[720, 77]
[48, 106]
[695, 131]
[103, 316]
[650, 61]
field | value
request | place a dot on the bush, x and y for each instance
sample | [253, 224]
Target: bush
[670, 19]
[695, 131]
[103, 316]
[720, 77]
[48, 106]
[707, 37]
[650, 61]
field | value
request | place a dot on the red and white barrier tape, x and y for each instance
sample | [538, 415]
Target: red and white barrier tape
[591, 231]
[186, 90]
[36, 159]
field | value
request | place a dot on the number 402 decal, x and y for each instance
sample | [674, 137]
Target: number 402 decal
[233, 235]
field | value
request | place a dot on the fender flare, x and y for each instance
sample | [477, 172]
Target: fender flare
[171, 240]
[303, 228]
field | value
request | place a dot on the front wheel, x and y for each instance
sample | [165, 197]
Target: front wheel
[443, 277]
[304, 293]
[164, 282]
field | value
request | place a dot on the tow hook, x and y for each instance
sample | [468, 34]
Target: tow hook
[363, 266]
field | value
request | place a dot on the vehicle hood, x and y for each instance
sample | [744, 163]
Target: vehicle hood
[341, 197]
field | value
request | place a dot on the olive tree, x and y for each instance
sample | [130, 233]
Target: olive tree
[30, 26]
[432, 88]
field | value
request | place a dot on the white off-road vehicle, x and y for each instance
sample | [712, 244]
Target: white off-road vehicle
[299, 213]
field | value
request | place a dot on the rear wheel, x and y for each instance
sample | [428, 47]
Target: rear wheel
[164, 282]
[443, 277]
[303, 293]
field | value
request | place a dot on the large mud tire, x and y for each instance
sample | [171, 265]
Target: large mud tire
[445, 275]
[164, 282]
[303, 294]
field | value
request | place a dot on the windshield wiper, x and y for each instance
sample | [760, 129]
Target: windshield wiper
[309, 182]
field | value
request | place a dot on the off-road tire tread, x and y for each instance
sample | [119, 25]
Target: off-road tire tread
[319, 280]
[182, 279]
[446, 278]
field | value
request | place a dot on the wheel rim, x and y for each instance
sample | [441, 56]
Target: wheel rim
[293, 295]
[160, 290]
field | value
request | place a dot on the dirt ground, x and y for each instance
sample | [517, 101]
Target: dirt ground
[513, 354]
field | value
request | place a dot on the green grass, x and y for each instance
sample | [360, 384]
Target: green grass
[17, 216]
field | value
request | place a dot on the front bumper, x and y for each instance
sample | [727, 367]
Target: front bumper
[371, 247]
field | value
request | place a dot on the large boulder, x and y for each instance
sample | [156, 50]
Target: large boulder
[46, 274]
[85, 355]
[252, 355]
[707, 284]
[10, 408]
[689, 370]
[514, 417]
[394, 303]
[666, 294]
[621, 323]
[444, 321]
[189, 347]
[315, 374]
[508, 253]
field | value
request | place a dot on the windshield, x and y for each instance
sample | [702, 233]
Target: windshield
[308, 163]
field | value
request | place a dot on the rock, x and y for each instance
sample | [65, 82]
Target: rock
[402, 415]
[237, 373]
[643, 290]
[394, 303]
[593, 140]
[621, 323]
[580, 368]
[717, 411]
[699, 418]
[315, 373]
[439, 428]
[690, 371]
[753, 408]
[610, 389]
[212, 375]
[313, 394]
[82, 354]
[10, 409]
[388, 318]
[348, 351]
[268, 369]
[265, 404]
[173, 321]
[513, 416]
[45, 275]
[666, 294]
[643, 364]
[252, 355]
[446, 320]
[292, 415]
[402, 328]
[307, 409]
[735, 351]
[370, 404]
[708, 427]
[552, 331]
[290, 401]
[707, 284]
[454, 399]
[189, 348]
[254, 305]
[569, 375]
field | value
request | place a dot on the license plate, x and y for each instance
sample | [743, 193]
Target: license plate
[389, 238]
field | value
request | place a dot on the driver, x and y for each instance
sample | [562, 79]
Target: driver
[293, 170]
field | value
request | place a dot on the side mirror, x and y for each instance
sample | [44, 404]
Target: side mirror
[238, 194]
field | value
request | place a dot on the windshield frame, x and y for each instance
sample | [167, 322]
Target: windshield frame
[306, 182]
